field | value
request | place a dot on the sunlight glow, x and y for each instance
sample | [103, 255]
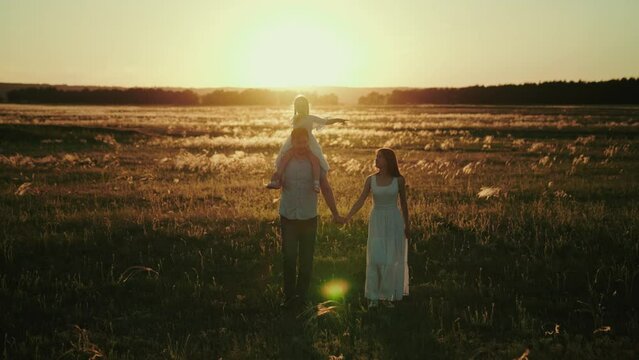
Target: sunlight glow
[288, 52]
[335, 289]
[292, 44]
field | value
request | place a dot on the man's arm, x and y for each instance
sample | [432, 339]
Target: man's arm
[327, 192]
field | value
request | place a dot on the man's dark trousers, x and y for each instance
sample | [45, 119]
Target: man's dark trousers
[298, 242]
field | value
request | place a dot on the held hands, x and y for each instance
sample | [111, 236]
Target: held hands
[338, 219]
[341, 220]
[345, 220]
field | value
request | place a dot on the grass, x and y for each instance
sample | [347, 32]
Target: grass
[131, 233]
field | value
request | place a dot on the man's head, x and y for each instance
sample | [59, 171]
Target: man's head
[299, 139]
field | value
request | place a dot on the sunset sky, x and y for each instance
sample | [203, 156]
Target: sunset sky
[279, 43]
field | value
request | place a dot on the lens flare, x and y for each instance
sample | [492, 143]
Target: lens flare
[335, 289]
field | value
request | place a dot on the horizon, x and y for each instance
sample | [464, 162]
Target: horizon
[259, 44]
[310, 87]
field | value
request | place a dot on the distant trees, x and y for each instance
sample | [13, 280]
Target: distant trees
[244, 97]
[618, 91]
[132, 96]
[328, 99]
[263, 97]
[621, 91]
[156, 96]
[373, 98]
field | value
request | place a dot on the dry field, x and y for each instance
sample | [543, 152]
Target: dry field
[145, 232]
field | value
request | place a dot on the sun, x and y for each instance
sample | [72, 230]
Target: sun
[288, 53]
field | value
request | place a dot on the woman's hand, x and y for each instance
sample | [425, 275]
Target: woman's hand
[338, 219]
[343, 220]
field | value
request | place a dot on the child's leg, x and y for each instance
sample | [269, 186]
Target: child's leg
[281, 166]
[276, 178]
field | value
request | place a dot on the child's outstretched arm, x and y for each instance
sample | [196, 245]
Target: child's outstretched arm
[319, 121]
[335, 121]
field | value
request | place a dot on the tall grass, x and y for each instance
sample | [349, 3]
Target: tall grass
[132, 233]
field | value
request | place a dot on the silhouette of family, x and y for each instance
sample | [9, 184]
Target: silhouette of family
[301, 172]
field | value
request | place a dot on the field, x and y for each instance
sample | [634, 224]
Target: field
[145, 232]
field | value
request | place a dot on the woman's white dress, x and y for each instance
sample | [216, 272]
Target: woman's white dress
[307, 122]
[387, 248]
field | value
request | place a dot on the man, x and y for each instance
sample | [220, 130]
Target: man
[298, 219]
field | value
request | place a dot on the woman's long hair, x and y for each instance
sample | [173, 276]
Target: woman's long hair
[300, 108]
[391, 161]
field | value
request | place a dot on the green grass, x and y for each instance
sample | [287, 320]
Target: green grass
[145, 244]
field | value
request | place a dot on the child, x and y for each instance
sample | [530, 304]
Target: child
[303, 119]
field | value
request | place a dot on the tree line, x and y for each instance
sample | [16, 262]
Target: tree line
[158, 96]
[132, 96]
[263, 97]
[618, 91]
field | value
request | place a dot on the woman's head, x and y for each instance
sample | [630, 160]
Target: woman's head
[385, 159]
[300, 107]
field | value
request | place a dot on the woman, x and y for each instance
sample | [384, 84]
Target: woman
[387, 245]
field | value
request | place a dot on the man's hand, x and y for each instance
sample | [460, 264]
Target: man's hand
[345, 220]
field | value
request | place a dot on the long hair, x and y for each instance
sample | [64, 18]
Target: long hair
[301, 108]
[391, 161]
[297, 132]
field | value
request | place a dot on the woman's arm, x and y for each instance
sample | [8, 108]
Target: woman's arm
[404, 204]
[362, 197]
